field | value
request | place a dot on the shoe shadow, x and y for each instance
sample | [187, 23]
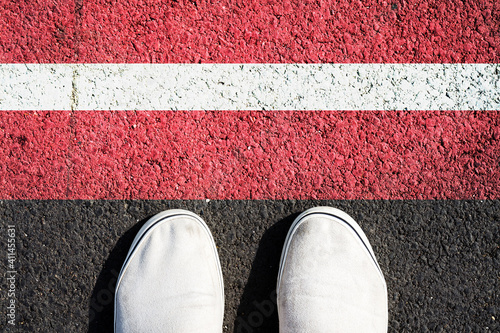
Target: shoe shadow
[101, 308]
[257, 311]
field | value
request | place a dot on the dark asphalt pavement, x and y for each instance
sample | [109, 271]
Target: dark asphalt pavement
[441, 260]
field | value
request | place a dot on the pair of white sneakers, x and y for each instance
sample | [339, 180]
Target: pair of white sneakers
[328, 281]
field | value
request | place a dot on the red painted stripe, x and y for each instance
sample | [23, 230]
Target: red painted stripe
[341, 31]
[250, 155]
[37, 31]
[34, 148]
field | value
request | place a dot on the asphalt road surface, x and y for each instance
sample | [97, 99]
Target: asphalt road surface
[441, 260]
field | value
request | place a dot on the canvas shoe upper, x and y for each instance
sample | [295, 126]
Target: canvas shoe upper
[329, 279]
[171, 280]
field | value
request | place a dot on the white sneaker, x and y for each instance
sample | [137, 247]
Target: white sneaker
[171, 280]
[329, 279]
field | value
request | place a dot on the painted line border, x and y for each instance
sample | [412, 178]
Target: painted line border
[250, 86]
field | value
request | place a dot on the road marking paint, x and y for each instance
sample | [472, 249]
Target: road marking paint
[250, 87]
[249, 155]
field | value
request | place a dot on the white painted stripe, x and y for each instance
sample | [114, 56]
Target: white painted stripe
[249, 86]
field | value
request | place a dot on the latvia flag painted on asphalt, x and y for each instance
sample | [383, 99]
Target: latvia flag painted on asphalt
[242, 100]
[360, 152]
